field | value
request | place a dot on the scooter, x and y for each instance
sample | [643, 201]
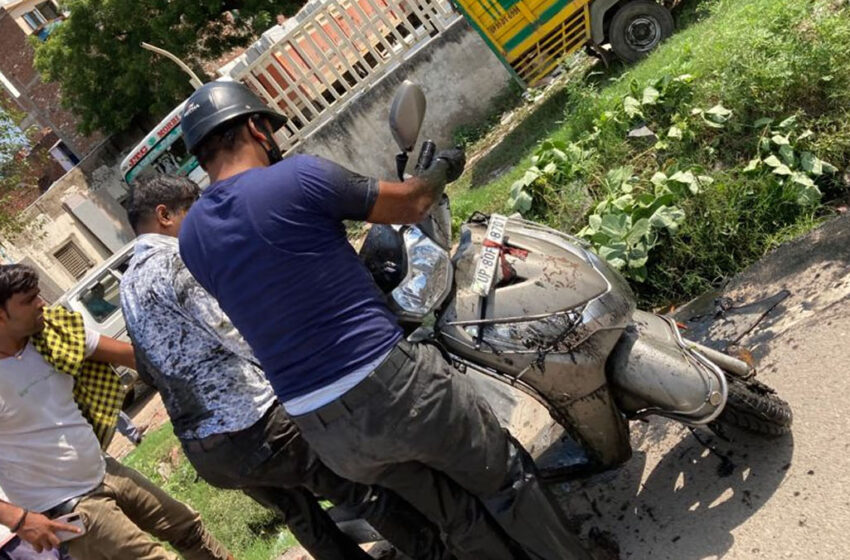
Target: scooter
[535, 308]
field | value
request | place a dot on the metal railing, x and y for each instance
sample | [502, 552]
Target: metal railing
[333, 50]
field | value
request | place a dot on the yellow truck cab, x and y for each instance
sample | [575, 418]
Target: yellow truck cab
[532, 36]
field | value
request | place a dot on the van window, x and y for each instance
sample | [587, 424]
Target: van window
[103, 299]
[169, 155]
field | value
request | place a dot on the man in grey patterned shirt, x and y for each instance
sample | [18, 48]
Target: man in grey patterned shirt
[223, 410]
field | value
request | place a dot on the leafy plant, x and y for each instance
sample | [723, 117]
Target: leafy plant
[109, 81]
[14, 167]
[784, 156]
[552, 180]
[660, 97]
[629, 222]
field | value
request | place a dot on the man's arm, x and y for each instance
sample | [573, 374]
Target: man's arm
[404, 203]
[114, 352]
[408, 202]
[33, 527]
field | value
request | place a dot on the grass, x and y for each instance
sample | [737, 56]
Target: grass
[758, 58]
[248, 530]
[468, 134]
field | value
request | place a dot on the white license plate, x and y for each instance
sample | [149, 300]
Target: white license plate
[488, 260]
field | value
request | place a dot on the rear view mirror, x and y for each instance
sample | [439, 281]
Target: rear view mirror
[406, 115]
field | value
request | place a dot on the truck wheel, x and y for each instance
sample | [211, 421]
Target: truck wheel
[638, 27]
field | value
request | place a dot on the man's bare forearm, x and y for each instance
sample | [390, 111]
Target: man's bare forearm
[408, 202]
[405, 203]
[10, 514]
[115, 352]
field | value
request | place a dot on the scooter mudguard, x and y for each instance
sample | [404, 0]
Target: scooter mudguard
[652, 370]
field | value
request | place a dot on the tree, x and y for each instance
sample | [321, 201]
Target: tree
[13, 167]
[108, 80]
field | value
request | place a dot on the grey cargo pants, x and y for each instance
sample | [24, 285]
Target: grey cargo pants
[416, 426]
[272, 463]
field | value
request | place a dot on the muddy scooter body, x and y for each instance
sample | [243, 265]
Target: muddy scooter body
[535, 308]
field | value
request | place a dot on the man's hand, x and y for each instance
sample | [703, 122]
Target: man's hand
[456, 161]
[446, 167]
[408, 202]
[40, 531]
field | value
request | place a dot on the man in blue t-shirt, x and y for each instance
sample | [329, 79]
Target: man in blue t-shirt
[267, 240]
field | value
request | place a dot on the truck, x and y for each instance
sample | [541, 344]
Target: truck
[531, 37]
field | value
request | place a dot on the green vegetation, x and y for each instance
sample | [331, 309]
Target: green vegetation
[250, 531]
[14, 166]
[740, 135]
[510, 98]
[110, 82]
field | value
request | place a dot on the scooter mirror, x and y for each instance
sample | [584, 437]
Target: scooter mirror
[406, 115]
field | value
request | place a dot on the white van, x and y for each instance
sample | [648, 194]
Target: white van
[163, 151]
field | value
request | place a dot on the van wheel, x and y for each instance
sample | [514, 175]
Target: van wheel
[638, 27]
[129, 398]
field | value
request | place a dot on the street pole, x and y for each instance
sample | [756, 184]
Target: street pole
[193, 79]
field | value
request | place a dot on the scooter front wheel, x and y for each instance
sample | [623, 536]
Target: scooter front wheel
[754, 407]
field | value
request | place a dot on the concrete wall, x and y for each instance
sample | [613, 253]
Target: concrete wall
[460, 76]
[52, 225]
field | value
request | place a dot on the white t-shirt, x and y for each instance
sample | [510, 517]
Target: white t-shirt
[5, 535]
[48, 451]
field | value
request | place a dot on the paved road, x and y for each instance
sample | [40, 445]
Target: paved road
[786, 498]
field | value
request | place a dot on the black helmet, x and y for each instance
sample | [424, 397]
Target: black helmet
[216, 103]
[384, 255]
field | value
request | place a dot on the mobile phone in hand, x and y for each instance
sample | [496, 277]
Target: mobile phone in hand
[74, 519]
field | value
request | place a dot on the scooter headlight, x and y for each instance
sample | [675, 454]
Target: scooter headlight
[428, 279]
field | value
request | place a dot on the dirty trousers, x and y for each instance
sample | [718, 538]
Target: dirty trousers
[272, 463]
[126, 506]
[416, 426]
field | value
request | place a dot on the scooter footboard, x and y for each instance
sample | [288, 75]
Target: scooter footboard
[653, 371]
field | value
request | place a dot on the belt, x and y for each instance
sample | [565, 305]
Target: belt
[64, 508]
[357, 395]
[212, 441]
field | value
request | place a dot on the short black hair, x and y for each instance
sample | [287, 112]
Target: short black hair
[16, 279]
[222, 139]
[176, 192]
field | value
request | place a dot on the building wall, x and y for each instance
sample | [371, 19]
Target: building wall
[52, 225]
[40, 100]
[17, 11]
[460, 77]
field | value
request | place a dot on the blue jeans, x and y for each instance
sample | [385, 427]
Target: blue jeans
[128, 429]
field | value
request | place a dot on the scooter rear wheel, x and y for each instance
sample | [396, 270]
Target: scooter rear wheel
[754, 407]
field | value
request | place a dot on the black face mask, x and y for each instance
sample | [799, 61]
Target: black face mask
[273, 153]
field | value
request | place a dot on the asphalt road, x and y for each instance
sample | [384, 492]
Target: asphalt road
[749, 499]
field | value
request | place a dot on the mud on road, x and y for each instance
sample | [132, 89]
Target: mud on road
[679, 498]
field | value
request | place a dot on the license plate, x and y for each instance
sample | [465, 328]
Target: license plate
[488, 260]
